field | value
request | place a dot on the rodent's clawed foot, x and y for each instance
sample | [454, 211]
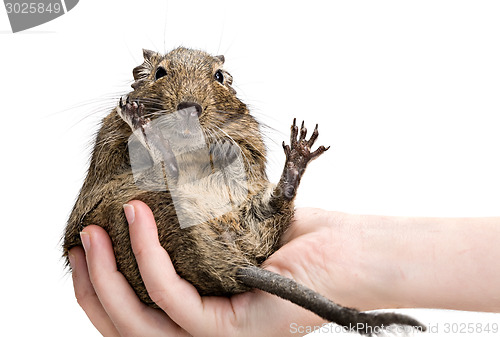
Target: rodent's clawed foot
[298, 155]
[133, 113]
[299, 152]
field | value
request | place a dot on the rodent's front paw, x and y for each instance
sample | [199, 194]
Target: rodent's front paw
[299, 152]
[298, 155]
[133, 113]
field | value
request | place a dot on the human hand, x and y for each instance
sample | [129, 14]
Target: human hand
[115, 310]
[366, 262]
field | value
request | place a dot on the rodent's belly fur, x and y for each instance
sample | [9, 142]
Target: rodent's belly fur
[208, 254]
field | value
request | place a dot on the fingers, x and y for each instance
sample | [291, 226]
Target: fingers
[177, 297]
[128, 314]
[115, 294]
[86, 296]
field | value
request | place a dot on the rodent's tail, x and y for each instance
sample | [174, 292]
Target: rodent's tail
[351, 319]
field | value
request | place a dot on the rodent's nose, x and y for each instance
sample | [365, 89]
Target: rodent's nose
[184, 110]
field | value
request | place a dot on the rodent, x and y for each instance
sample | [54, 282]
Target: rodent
[187, 93]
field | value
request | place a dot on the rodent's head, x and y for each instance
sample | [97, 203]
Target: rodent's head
[183, 101]
[185, 78]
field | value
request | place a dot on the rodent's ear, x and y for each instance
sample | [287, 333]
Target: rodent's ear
[148, 54]
[221, 58]
[141, 72]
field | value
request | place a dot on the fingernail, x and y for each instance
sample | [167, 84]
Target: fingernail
[129, 213]
[85, 237]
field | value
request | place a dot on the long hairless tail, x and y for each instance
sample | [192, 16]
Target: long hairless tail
[351, 319]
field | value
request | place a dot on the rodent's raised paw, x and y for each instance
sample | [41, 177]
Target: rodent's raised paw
[299, 151]
[133, 113]
[298, 155]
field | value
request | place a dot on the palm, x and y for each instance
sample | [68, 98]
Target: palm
[115, 310]
[298, 258]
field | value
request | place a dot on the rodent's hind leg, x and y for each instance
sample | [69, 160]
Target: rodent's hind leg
[298, 155]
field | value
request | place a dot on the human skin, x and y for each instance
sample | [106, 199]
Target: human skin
[362, 261]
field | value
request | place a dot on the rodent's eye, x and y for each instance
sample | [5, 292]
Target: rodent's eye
[219, 77]
[160, 72]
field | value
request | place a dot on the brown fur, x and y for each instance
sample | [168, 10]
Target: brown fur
[203, 254]
[221, 255]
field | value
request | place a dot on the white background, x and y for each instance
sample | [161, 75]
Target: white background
[406, 93]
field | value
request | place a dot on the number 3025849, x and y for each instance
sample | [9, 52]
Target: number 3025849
[470, 328]
[32, 8]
